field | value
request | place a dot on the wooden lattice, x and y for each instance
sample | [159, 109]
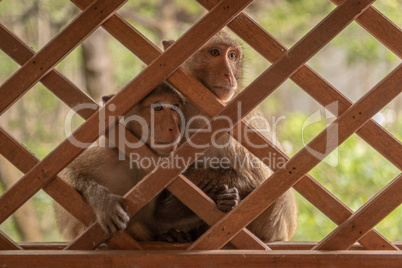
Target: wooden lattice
[353, 118]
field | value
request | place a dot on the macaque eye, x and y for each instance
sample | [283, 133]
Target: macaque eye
[232, 56]
[157, 107]
[214, 52]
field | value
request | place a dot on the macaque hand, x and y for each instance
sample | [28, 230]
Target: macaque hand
[226, 198]
[111, 213]
[173, 236]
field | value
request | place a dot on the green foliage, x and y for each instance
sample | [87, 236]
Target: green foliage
[360, 173]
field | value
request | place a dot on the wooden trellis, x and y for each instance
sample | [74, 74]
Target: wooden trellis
[372, 250]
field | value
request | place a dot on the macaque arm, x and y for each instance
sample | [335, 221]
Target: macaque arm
[110, 209]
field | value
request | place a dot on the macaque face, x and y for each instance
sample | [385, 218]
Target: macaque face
[217, 65]
[157, 121]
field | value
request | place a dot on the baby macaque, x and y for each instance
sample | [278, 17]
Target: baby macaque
[218, 66]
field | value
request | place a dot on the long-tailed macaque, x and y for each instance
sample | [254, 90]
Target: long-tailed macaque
[218, 66]
[102, 178]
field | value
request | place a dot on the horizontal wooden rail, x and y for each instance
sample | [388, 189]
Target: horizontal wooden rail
[238, 258]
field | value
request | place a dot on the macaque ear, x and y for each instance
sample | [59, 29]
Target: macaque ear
[166, 44]
[106, 98]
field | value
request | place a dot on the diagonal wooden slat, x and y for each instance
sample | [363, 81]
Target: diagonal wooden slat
[57, 188]
[316, 86]
[7, 244]
[381, 28]
[56, 50]
[310, 189]
[369, 215]
[55, 81]
[269, 81]
[301, 163]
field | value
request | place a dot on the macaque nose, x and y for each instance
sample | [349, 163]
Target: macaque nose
[228, 76]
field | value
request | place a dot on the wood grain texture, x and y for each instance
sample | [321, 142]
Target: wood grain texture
[158, 245]
[224, 258]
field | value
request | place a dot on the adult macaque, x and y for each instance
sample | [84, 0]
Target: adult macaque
[102, 178]
[218, 65]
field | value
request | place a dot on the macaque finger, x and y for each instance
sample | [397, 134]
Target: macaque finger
[122, 214]
[231, 196]
[231, 193]
[111, 228]
[176, 236]
[208, 186]
[226, 205]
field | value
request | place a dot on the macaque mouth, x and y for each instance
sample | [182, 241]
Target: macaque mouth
[164, 149]
[226, 87]
[224, 93]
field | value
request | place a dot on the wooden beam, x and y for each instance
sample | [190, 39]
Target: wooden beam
[238, 258]
[158, 245]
